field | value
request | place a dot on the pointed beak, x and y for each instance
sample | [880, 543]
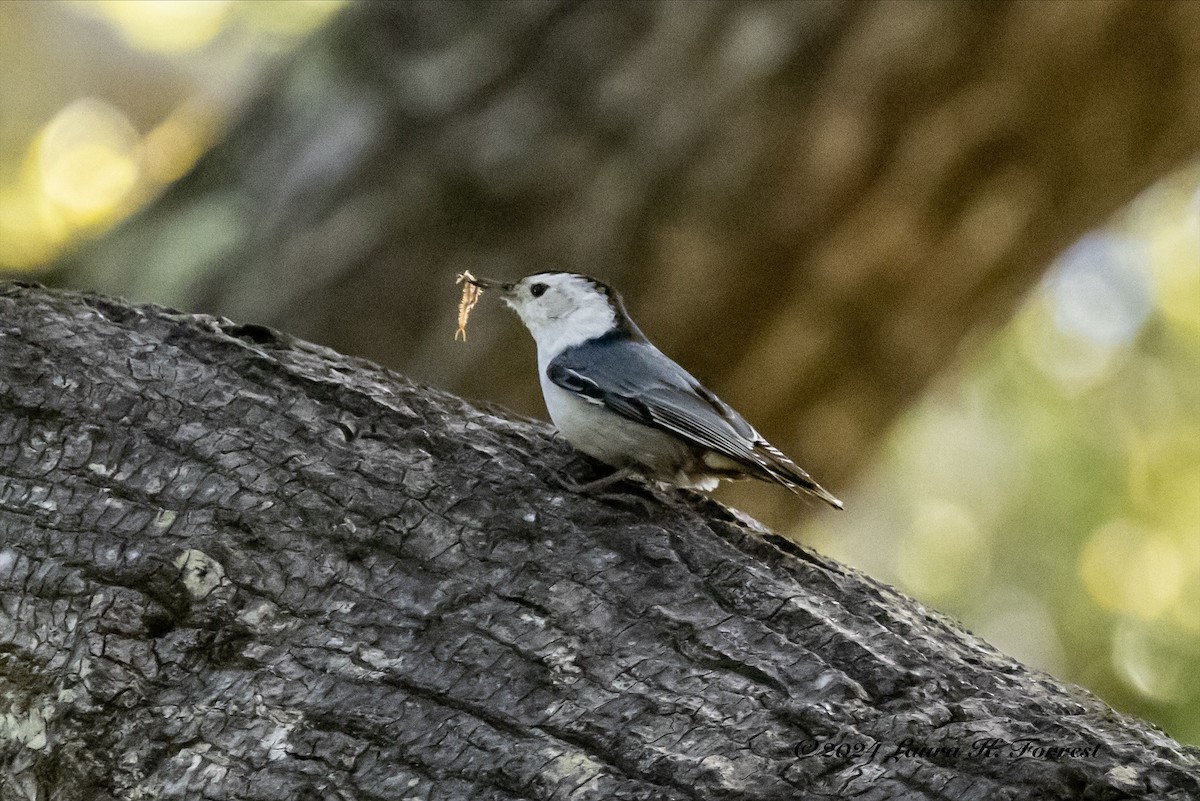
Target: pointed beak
[488, 283]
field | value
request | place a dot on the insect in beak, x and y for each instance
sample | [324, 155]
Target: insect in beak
[472, 288]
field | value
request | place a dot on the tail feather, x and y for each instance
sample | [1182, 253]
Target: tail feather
[791, 475]
[814, 489]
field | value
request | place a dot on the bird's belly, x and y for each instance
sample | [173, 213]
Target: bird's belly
[615, 440]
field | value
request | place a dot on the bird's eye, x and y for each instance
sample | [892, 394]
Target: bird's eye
[537, 290]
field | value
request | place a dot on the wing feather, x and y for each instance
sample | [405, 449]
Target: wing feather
[636, 380]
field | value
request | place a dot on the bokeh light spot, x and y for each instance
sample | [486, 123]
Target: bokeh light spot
[1074, 362]
[1129, 569]
[1100, 289]
[88, 160]
[166, 25]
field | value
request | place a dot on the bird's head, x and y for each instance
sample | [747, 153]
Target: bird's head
[563, 309]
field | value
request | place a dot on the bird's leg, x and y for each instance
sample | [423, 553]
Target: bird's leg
[594, 489]
[591, 487]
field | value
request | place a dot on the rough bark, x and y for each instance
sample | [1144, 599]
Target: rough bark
[235, 565]
[809, 204]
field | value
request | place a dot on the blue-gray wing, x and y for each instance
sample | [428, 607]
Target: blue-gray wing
[636, 380]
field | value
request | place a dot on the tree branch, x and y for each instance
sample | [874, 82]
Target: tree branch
[237, 565]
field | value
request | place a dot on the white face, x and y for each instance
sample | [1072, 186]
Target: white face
[560, 310]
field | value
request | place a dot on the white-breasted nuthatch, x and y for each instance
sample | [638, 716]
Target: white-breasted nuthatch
[619, 399]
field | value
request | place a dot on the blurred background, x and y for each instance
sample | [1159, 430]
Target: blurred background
[947, 255]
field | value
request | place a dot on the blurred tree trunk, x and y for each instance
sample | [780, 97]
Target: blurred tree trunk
[809, 204]
[238, 566]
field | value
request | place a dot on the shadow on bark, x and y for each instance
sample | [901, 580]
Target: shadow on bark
[237, 565]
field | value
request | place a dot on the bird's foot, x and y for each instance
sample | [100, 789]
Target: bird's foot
[641, 494]
[594, 487]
